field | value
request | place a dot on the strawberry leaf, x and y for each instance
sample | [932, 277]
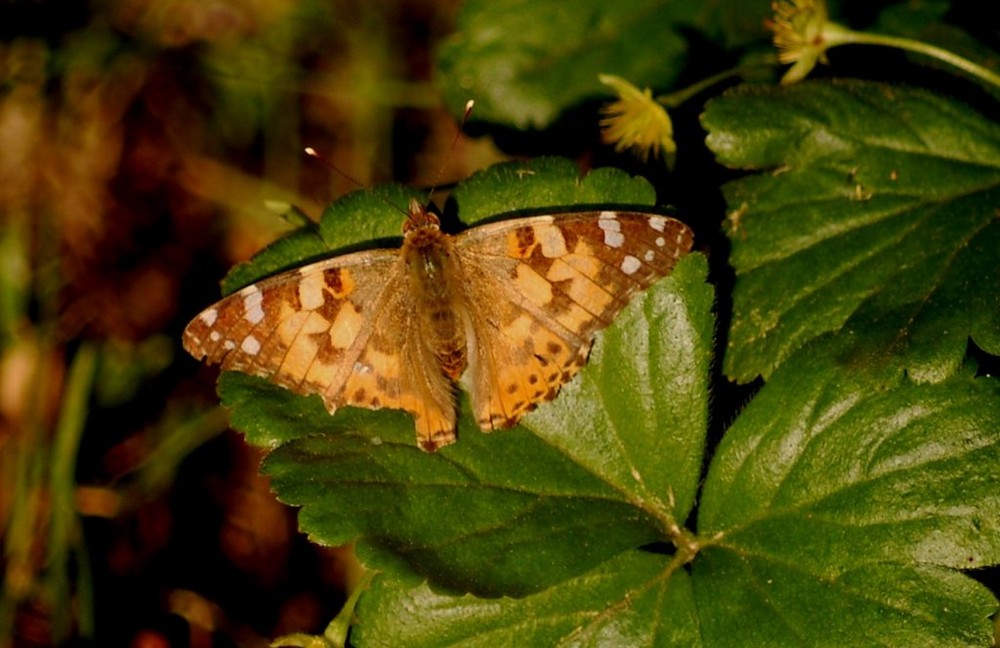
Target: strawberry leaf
[627, 601]
[877, 217]
[524, 63]
[837, 511]
[835, 491]
[529, 496]
[543, 507]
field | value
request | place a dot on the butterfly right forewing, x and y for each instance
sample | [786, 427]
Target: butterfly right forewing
[542, 287]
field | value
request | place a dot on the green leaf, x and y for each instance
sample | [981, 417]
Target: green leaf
[733, 23]
[543, 506]
[374, 217]
[627, 601]
[269, 415]
[356, 221]
[928, 22]
[876, 217]
[834, 492]
[545, 185]
[499, 514]
[836, 513]
[769, 602]
[647, 374]
[525, 63]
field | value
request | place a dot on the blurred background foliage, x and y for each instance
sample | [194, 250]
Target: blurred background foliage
[143, 148]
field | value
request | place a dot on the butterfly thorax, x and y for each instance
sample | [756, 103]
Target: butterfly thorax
[434, 283]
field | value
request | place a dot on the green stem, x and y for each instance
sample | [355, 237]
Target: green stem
[63, 519]
[678, 97]
[336, 631]
[918, 47]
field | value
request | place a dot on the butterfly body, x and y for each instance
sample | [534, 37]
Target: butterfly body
[441, 311]
[509, 307]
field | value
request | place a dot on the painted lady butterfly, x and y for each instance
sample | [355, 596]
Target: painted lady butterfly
[514, 304]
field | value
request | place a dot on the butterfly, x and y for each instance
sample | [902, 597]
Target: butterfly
[511, 305]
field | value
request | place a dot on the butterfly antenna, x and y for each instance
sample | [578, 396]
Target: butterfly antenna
[469, 105]
[311, 152]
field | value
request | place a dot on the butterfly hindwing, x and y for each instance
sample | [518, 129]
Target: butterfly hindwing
[395, 369]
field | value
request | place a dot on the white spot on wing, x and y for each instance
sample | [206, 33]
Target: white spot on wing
[311, 290]
[613, 236]
[552, 242]
[214, 336]
[209, 316]
[228, 345]
[660, 241]
[659, 223]
[252, 305]
[630, 264]
[649, 256]
[250, 346]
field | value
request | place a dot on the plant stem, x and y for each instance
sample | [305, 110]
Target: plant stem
[926, 49]
[64, 521]
[675, 99]
[336, 632]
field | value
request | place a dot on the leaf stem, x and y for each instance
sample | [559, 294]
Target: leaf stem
[974, 69]
[336, 632]
[674, 99]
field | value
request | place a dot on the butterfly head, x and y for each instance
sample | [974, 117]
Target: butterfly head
[419, 220]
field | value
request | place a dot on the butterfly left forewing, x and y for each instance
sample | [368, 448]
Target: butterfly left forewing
[303, 329]
[342, 328]
[539, 288]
